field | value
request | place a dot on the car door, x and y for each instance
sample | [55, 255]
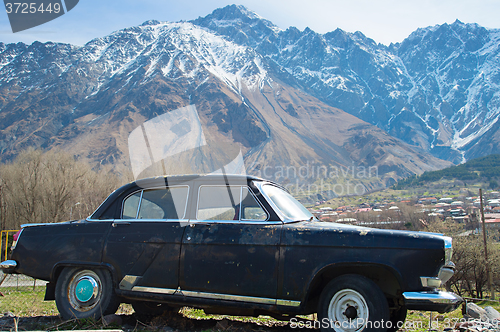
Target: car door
[144, 245]
[231, 250]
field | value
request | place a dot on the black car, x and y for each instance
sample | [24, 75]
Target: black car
[236, 245]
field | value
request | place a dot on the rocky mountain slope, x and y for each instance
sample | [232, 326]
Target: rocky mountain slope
[280, 97]
[439, 89]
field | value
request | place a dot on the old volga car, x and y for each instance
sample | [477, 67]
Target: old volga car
[237, 245]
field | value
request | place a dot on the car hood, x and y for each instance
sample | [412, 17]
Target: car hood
[335, 234]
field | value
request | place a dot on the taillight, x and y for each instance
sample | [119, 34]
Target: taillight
[16, 238]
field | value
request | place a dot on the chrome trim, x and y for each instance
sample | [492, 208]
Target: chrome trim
[167, 291]
[8, 264]
[103, 220]
[288, 303]
[446, 272]
[215, 296]
[437, 297]
[129, 281]
[448, 249]
[35, 224]
[447, 242]
[433, 282]
[163, 221]
[193, 222]
[138, 205]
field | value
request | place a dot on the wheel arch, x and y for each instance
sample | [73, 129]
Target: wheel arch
[50, 290]
[388, 279]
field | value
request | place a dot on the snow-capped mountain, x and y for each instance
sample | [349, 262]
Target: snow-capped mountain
[281, 96]
[439, 89]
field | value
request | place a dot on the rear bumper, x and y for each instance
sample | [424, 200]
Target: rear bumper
[432, 301]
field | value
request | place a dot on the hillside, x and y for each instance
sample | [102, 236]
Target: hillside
[485, 169]
[439, 89]
[89, 99]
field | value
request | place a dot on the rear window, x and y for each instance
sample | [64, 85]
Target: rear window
[156, 204]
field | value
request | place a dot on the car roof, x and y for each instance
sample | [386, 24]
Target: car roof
[179, 179]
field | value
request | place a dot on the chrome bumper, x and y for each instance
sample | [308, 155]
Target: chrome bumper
[432, 301]
[8, 266]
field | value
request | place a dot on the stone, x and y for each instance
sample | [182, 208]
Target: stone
[476, 311]
[491, 313]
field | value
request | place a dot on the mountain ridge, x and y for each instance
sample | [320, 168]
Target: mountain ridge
[390, 81]
[273, 99]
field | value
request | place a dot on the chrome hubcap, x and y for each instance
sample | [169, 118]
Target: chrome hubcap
[84, 290]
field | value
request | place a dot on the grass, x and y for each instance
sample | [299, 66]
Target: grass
[29, 303]
[26, 301]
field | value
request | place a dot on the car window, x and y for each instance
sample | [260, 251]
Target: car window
[250, 208]
[218, 203]
[289, 206]
[164, 203]
[228, 203]
[131, 206]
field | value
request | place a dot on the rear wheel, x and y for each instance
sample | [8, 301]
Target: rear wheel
[85, 293]
[353, 303]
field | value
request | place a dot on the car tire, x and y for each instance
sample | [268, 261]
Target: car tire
[152, 309]
[85, 293]
[353, 303]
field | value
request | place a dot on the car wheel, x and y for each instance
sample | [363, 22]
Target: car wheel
[353, 303]
[85, 293]
[152, 309]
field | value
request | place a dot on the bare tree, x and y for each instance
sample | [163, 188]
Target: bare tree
[50, 187]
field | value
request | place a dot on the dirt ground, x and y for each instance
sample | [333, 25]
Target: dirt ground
[168, 322]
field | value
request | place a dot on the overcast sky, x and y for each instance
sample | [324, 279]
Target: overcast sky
[384, 21]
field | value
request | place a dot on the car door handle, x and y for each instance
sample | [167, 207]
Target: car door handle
[118, 223]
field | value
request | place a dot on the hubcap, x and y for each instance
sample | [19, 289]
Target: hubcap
[84, 290]
[348, 311]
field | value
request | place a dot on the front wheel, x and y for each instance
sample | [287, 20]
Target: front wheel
[84, 293]
[353, 303]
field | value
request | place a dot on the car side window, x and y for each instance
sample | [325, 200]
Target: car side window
[228, 203]
[131, 206]
[250, 208]
[218, 203]
[164, 203]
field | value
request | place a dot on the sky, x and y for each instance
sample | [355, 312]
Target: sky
[384, 21]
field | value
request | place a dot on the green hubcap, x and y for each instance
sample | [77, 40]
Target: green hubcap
[85, 289]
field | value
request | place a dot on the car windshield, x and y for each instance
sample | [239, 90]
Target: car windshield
[289, 206]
